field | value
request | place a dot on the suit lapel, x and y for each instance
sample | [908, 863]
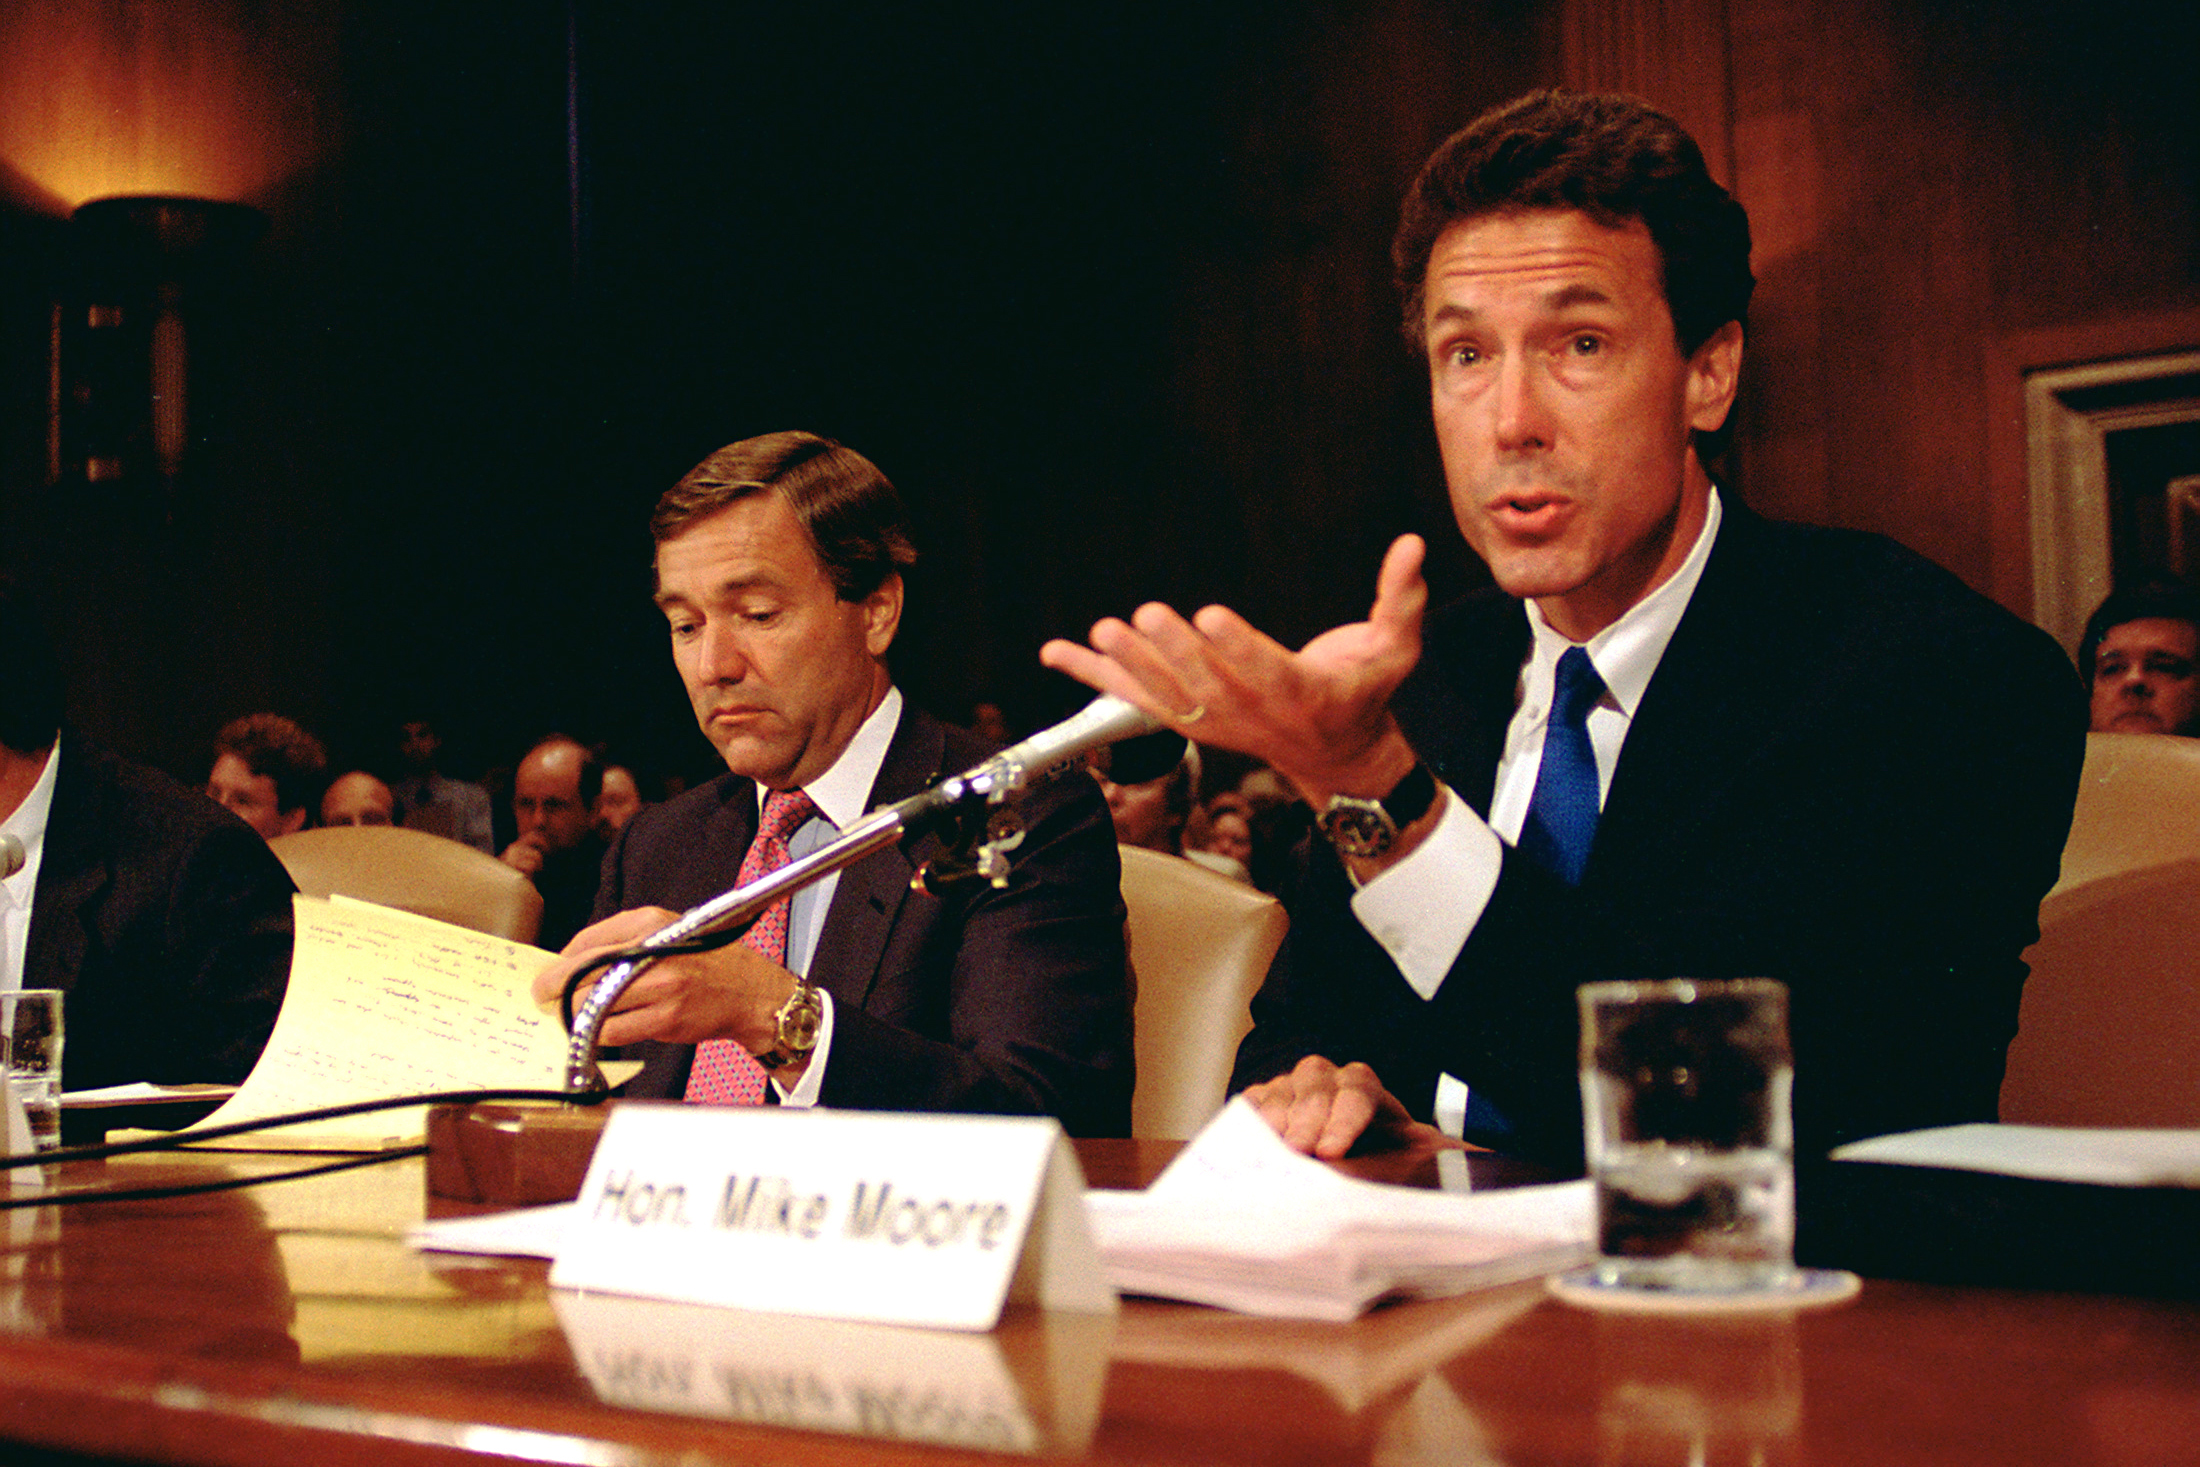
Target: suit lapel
[726, 838]
[1456, 707]
[872, 892]
[1704, 724]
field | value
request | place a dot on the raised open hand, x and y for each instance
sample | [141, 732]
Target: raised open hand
[1320, 716]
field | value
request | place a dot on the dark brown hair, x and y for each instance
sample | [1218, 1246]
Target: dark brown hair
[273, 746]
[1616, 159]
[855, 519]
[2148, 601]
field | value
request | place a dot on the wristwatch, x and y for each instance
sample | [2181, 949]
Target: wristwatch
[798, 1020]
[1367, 828]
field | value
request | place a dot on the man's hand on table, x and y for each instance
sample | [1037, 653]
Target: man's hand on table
[1326, 1110]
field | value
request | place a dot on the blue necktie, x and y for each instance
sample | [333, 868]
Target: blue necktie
[1562, 815]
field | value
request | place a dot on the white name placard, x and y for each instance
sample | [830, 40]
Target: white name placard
[896, 1219]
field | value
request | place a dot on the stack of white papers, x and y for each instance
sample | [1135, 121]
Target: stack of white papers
[2103, 1157]
[1241, 1221]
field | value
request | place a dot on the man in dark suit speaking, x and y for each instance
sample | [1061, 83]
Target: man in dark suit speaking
[778, 568]
[1684, 742]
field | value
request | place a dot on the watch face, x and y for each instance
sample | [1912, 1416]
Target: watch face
[1357, 827]
[799, 1032]
[798, 1024]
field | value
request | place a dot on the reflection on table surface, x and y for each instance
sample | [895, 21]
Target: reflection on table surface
[290, 1322]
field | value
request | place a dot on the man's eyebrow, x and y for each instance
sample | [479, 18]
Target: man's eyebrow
[1577, 294]
[730, 586]
[1574, 293]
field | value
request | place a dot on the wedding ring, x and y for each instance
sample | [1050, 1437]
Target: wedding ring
[1192, 717]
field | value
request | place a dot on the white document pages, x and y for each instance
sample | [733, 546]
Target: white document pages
[1242, 1221]
[386, 1003]
[2111, 1158]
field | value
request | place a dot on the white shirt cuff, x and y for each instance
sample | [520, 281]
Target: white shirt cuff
[1423, 909]
[805, 1089]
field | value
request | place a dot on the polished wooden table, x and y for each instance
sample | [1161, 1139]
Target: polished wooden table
[291, 1324]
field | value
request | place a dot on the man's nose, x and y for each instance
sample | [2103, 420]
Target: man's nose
[1522, 421]
[722, 658]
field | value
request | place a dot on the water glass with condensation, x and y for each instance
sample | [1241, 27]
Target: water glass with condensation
[1685, 1089]
[30, 1020]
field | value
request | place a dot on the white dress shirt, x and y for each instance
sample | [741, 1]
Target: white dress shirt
[1423, 909]
[841, 795]
[27, 824]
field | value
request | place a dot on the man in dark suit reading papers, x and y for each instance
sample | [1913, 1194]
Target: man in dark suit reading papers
[1683, 742]
[778, 569]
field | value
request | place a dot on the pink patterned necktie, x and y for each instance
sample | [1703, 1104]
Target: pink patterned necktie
[724, 1072]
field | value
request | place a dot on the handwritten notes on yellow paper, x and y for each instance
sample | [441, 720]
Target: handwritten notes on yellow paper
[384, 1003]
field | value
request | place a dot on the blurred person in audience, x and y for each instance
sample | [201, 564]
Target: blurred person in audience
[267, 772]
[1219, 836]
[1148, 783]
[164, 918]
[427, 799]
[357, 798]
[554, 793]
[1675, 740]
[1230, 815]
[779, 566]
[2141, 657]
[619, 801]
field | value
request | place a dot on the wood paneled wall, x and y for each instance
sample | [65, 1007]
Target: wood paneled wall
[1105, 288]
[1926, 182]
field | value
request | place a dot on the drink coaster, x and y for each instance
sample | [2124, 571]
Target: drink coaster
[1811, 1288]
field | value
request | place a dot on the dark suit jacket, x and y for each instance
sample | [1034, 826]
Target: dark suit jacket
[1849, 772]
[164, 918]
[567, 883]
[1012, 1001]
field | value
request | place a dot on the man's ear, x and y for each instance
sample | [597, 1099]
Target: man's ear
[1714, 372]
[882, 615]
[292, 821]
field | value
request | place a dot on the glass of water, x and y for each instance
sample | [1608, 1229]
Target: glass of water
[1685, 1105]
[30, 1022]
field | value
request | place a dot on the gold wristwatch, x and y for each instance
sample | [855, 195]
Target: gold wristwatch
[797, 1024]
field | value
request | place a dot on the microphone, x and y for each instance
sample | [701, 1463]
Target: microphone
[1104, 720]
[12, 856]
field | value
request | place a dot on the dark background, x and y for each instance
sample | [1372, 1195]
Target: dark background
[1103, 288]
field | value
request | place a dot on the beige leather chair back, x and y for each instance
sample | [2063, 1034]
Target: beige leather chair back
[1200, 945]
[417, 872]
[2110, 1028]
[2138, 806]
